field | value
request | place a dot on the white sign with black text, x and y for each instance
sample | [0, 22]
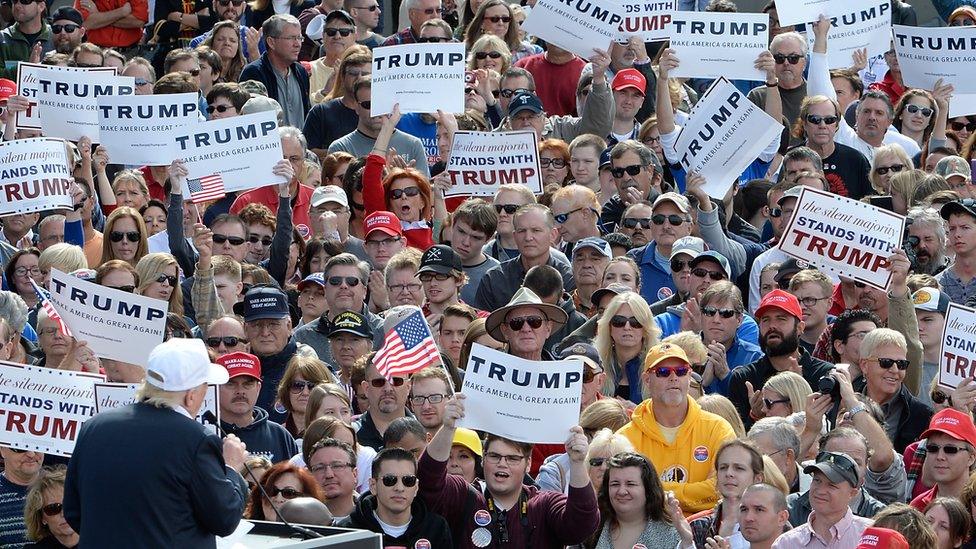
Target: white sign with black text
[579, 27]
[866, 27]
[927, 54]
[135, 129]
[717, 44]
[27, 83]
[420, 77]
[796, 12]
[68, 101]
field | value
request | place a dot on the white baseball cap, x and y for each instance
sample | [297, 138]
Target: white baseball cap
[329, 193]
[182, 364]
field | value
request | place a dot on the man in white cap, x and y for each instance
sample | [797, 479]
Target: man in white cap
[329, 215]
[149, 475]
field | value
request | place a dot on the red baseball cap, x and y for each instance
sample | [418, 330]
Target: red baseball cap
[782, 300]
[953, 423]
[7, 88]
[629, 78]
[882, 538]
[241, 364]
[382, 221]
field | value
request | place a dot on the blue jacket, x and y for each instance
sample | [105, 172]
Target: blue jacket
[656, 283]
[670, 324]
[740, 353]
[262, 71]
[264, 438]
[142, 476]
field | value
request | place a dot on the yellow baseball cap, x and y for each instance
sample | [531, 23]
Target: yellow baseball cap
[469, 439]
[662, 352]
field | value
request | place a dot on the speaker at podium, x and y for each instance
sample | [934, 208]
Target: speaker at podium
[259, 534]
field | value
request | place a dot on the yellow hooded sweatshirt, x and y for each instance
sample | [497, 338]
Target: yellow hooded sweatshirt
[687, 466]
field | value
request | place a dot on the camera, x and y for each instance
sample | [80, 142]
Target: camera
[827, 385]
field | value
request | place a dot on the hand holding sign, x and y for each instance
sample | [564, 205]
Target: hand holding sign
[767, 64]
[576, 445]
[80, 358]
[899, 266]
[601, 61]
[454, 410]
[963, 397]
[669, 62]
[942, 93]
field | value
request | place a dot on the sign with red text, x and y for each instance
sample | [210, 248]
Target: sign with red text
[579, 27]
[419, 77]
[68, 101]
[34, 176]
[523, 400]
[957, 359]
[647, 19]
[42, 409]
[110, 395]
[718, 44]
[481, 161]
[843, 237]
[27, 74]
[926, 55]
[867, 27]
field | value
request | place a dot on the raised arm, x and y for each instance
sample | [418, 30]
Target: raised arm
[178, 246]
[665, 110]
[281, 241]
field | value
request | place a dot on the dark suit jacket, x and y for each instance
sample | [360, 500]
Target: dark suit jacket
[262, 71]
[143, 476]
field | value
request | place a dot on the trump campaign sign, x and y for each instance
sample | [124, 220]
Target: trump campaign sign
[482, 161]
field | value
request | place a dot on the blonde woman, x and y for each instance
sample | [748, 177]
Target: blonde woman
[301, 376]
[888, 160]
[489, 52]
[159, 278]
[43, 518]
[130, 189]
[722, 406]
[785, 393]
[125, 236]
[624, 333]
[64, 257]
[902, 189]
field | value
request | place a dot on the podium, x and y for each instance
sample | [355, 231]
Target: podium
[277, 535]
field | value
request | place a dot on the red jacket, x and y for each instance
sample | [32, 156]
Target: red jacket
[893, 89]
[269, 197]
[374, 200]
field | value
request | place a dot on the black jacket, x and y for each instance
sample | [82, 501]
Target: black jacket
[424, 525]
[262, 71]
[915, 415]
[142, 476]
[759, 371]
[502, 281]
[272, 370]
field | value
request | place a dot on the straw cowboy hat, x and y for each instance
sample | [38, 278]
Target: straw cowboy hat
[523, 297]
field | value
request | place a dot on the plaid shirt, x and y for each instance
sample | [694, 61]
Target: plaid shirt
[705, 524]
[914, 458]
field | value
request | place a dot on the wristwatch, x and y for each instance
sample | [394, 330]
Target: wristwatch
[856, 410]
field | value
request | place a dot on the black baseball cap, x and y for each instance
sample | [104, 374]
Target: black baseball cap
[263, 302]
[340, 14]
[350, 322]
[964, 206]
[525, 101]
[67, 13]
[439, 259]
[789, 268]
[587, 353]
[836, 466]
[614, 288]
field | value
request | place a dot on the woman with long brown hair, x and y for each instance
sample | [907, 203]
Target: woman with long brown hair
[226, 41]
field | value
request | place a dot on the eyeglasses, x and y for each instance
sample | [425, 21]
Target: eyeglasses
[22, 271]
[498, 19]
[619, 321]
[419, 400]
[674, 219]
[678, 265]
[882, 170]
[665, 371]
[427, 277]
[534, 322]
[887, 363]
[793, 58]
[366, 104]
[128, 288]
[382, 243]
[412, 287]
[350, 281]
[254, 239]
[947, 449]
[629, 170]
[915, 109]
[219, 108]
[812, 301]
[496, 458]
[341, 32]
[633, 222]
[374, 7]
[510, 209]
[506, 93]
[336, 466]
[51, 509]
[172, 280]
[221, 238]
[433, 39]
[287, 493]
[817, 120]
[770, 403]
[564, 217]
[297, 38]
[598, 462]
[724, 313]
[397, 194]
[228, 341]
[380, 382]
[298, 386]
[702, 273]
[409, 481]
[554, 162]
[24, 2]
[482, 55]
[131, 236]
[959, 126]
[68, 28]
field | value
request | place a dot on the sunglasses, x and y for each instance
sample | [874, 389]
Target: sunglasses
[678, 265]
[427, 277]
[69, 28]
[254, 239]
[506, 93]
[228, 341]
[117, 236]
[409, 481]
[341, 32]
[633, 222]
[51, 509]
[142, 82]
[469, 91]
[674, 219]
[959, 126]
[193, 72]
[287, 493]
[564, 217]
[947, 449]
[510, 209]
[887, 363]
[770, 403]
[380, 382]
[482, 55]
[221, 238]
[724, 313]
[397, 194]
[496, 19]
[163, 277]
[219, 108]
[534, 322]
[128, 288]
[554, 162]
[350, 281]
[915, 109]
[776, 212]
[588, 374]
[366, 104]
[793, 58]
[665, 371]
[860, 285]
[298, 386]
[226, 3]
[23, 2]
[702, 273]
[433, 39]
[939, 397]
[629, 170]
[619, 321]
[882, 170]
[817, 120]
[598, 462]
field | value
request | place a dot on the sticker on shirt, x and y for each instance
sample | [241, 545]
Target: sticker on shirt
[674, 473]
[664, 292]
[700, 454]
[640, 546]
[482, 517]
[422, 543]
[481, 537]
[303, 230]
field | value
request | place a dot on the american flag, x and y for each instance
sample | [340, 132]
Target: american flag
[408, 347]
[45, 300]
[208, 187]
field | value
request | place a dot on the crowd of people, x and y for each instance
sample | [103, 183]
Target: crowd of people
[732, 396]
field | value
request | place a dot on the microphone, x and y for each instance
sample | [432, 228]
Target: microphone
[209, 417]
